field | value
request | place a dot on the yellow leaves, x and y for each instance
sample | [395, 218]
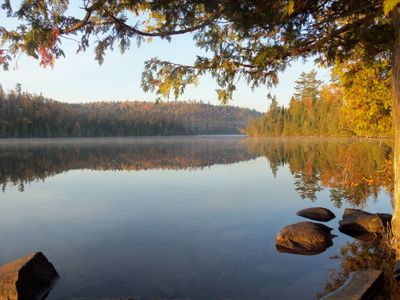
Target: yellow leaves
[290, 7]
[367, 98]
[389, 5]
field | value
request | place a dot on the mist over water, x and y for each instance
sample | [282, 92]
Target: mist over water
[182, 217]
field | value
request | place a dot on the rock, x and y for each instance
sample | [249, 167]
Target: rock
[306, 238]
[317, 214]
[360, 285]
[396, 270]
[28, 278]
[356, 221]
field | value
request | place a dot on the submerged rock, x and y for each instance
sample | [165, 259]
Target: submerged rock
[356, 221]
[360, 285]
[28, 278]
[306, 238]
[317, 214]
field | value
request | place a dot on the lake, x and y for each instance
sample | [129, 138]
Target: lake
[183, 217]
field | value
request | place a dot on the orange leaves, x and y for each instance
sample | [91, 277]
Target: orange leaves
[2, 58]
[46, 57]
[46, 53]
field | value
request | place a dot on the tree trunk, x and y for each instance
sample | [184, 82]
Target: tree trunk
[396, 127]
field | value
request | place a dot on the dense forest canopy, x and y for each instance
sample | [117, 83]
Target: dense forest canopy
[356, 102]
[26, 115]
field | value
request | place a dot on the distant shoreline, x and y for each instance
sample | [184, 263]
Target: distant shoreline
[157, 137]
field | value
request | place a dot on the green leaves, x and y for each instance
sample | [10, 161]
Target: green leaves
[165, 78]
[253, 40]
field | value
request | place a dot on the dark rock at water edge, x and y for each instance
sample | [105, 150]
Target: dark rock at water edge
[317, 214]
[360, 285]
[396, 270]
[357, 221]
[28, 278]
[305, 238]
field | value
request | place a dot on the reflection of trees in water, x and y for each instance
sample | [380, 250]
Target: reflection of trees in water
[358, 255]
[353, 170]
[23, 162]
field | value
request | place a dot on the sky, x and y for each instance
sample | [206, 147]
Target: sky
[79, 78]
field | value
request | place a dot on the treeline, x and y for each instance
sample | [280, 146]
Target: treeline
[26, 115]
[357, 102]
[312, 111]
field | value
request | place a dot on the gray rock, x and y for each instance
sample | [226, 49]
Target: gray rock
[306, 238]
[357, 221]
[360, 285]
[317, 214]
[28, 278]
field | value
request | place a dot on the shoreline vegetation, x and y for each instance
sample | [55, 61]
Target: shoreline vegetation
[334, 109]
[23, 115]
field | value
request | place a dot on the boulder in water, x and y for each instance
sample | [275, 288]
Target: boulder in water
[317, 214]
[28, 278]
[306, 238]
[357, 221]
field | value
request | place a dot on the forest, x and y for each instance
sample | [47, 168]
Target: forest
[23, 115]
[357, 102]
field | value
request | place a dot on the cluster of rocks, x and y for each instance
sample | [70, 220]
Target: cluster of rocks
[310, 238]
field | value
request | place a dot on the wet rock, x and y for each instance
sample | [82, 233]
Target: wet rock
[317, 214]
[357, 221]
[306, 238]
[360, 285]
[28, 278]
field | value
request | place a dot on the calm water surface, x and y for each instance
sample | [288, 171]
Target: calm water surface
[182, 218]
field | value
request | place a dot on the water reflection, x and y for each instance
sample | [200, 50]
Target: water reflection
[182, 230]
[360, 255]
[352, 170]
[25, 161]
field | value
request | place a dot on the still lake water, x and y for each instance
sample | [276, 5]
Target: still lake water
[183, 217]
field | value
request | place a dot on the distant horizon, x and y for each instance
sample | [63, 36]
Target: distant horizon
[163, 101]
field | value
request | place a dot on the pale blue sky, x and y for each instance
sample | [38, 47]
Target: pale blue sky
[79, 78]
